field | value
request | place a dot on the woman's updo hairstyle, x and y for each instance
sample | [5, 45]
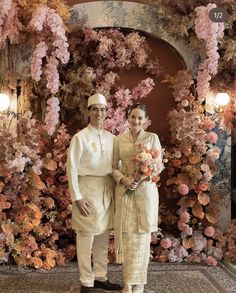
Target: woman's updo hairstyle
[136, 106]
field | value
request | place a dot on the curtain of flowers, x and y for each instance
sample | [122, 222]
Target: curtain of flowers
[35, 205]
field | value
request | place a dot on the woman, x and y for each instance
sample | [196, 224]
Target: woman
[136, 214]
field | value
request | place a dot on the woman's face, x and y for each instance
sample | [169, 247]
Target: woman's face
[136, 119]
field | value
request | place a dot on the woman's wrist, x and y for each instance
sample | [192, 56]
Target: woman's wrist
[122, 180]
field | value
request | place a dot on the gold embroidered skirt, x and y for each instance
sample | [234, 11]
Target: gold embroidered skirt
[135, 249]
[136, 253]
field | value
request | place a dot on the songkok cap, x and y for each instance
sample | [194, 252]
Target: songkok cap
[97, 99]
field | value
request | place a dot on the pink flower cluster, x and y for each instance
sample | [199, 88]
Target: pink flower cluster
[211, 261]
[36, 64]
[166, 243]
[212, 137]
[52, 74]
[22, 155]
[143, 88]
[52, 115]
[117, 122]
[5, 6]
[53, 41]
[210, 32]
[10, 26]
[209, 231]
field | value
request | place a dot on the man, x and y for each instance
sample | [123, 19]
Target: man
[89, 168]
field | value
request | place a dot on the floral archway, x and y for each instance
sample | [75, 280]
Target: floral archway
[35, 202]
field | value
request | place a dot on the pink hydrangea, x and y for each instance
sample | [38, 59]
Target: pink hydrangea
[185, 217]
[212, 137]
[209, 231]
[166, 243]
[211, 261]
[183, 189]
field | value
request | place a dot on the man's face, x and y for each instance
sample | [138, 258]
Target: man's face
[97, 114]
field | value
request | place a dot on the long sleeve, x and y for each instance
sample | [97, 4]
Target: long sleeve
[73, 161]
[157, 145]
[117, 175]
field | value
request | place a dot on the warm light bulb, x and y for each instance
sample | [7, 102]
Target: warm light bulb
[222, 99]
[4, 102]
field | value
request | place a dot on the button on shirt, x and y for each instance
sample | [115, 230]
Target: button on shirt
[90, 153]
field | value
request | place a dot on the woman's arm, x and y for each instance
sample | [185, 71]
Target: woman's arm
[116, 163]
[118, 176]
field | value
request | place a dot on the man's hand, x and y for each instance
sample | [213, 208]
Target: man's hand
[83, 206]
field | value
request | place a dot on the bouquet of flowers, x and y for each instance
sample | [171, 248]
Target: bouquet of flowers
[147, 166]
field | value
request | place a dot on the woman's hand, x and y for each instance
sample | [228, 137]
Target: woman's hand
[83, 206]
[129, 182]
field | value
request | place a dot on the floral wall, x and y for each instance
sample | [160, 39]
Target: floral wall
[71, 55]
[142, 17]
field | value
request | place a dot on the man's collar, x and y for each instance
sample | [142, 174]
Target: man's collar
[95, 130]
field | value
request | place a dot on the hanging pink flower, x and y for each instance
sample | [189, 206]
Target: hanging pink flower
[143, 88]
[209, 231]
[183, 189]
[52, 74]
[52, 39]
[166, 243]
[52, 115]
[10, 25]
[36, 63]
[5, 6]
[209, 31]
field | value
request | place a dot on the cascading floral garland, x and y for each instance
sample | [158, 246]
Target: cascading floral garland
[210, 32]
[98, 57]
[52, 43]
[192, 159]
[10, 25]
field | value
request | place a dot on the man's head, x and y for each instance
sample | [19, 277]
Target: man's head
[97, 107]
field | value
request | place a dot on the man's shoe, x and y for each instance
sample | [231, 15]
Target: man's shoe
[108, 286]
[84, 289]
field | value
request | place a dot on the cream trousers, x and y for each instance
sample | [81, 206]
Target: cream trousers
[92, 248]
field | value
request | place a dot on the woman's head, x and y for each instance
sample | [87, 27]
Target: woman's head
[137, 116]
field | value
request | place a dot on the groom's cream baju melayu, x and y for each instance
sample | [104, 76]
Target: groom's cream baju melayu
[89, 166]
